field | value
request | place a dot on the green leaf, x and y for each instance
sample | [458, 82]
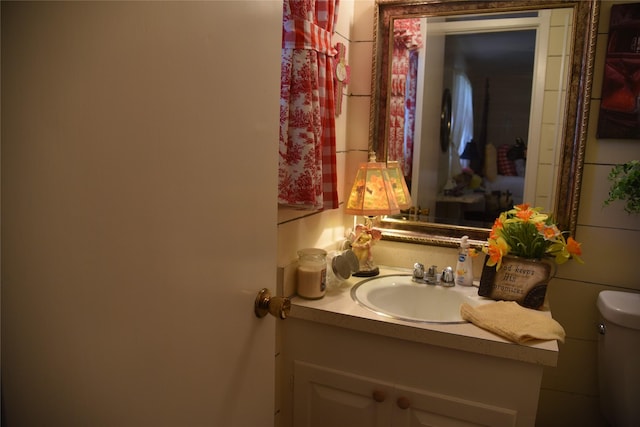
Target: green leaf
[625, 186]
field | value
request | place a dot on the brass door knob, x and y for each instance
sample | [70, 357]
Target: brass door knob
[276, 306]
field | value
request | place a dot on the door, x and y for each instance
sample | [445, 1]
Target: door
[139, 164]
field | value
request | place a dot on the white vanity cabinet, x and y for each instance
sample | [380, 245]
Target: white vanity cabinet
[326, 397]
[337, 376]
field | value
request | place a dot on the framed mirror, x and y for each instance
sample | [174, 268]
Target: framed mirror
[521, 96]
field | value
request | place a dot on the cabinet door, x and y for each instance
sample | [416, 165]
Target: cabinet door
[414, 408]
[325, 397]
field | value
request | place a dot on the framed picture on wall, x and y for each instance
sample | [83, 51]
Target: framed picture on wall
[620, 106]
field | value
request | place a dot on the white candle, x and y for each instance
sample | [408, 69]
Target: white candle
[312, 273]
[311, 281]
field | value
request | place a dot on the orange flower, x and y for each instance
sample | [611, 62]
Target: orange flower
[574, 247]
[497, 225]
[548, 231]
[496, 249]
[525, 215]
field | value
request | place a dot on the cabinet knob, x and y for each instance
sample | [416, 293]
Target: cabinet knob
[403, 402]
[379, 396]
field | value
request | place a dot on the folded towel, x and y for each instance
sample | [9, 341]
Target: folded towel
[514, 322]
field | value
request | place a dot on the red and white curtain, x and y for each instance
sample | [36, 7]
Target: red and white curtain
[402, 107]
[307, 165]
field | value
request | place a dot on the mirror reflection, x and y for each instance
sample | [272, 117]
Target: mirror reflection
[502, 70]
[529, 85]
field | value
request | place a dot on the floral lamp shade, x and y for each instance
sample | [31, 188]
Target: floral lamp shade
[372, 193]
[399, 185]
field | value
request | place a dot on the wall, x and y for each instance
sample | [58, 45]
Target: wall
[569, 394]
[299, 229]
[608, 235]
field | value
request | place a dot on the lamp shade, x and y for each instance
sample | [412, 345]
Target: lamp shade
[372, 193]
[399, 185]
[470, 151]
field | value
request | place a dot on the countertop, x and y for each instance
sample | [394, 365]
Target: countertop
[337, 308]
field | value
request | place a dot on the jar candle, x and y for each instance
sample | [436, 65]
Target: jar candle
[312, 273]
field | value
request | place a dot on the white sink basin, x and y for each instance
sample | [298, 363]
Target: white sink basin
[397, 296]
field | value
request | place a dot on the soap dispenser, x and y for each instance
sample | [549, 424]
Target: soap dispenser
[464, 266]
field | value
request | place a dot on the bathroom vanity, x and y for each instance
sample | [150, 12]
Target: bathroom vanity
[344, 365]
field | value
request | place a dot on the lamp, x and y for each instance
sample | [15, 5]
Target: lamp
[372, 194]
[470, 154]
[399, 185]
[470, 151]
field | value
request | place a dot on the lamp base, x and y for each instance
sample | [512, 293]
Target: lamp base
[367, 273]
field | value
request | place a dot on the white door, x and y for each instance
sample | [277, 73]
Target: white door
[139, 165]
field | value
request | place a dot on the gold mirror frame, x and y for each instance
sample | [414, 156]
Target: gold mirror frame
[586, 14]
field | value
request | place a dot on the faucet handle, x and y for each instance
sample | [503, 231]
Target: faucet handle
[447, 278]
[432, 273]
[418, 271]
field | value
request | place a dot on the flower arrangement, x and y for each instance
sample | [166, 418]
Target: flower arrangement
[527, 232]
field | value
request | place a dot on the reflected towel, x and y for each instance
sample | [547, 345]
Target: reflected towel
[513, 322]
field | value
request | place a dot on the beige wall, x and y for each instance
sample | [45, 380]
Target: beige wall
[324, 229]
[569, 393]
[608, 235]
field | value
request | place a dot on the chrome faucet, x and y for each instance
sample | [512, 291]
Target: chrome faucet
[418, 273]
[447, 278]
[430, 276]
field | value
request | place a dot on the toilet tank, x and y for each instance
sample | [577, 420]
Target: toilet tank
[618, 360]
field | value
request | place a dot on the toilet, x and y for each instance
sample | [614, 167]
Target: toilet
[619, 357]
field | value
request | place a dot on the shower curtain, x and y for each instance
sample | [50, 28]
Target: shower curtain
[307, 150]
